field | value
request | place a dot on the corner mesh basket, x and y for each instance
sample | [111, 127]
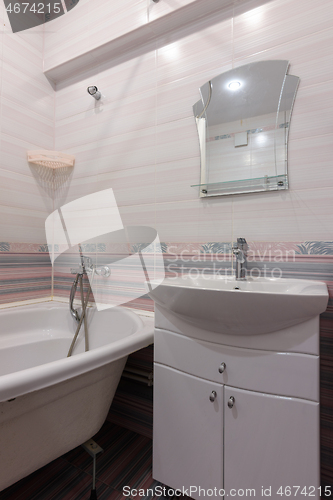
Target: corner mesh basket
[51, 159]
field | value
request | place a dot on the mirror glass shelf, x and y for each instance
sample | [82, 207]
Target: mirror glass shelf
[274, 183]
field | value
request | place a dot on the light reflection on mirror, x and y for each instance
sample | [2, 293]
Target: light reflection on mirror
[235, 85]
[243, 121]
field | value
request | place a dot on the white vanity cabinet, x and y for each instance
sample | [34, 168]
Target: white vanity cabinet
[188, 432]
[271, 442]
[235, 418]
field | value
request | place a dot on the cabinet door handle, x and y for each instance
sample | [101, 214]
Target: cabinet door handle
[212, 396]
[222, 367]
[231, 402]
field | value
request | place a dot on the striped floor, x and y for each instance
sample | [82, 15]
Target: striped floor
[126, 461]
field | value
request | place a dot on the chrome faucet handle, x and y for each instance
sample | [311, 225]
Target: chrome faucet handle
[236, 250]
[240, 255]
[242, 244]
[239, 250]
[103, 271]
[85, 267]
[87, 264]
[77, 270]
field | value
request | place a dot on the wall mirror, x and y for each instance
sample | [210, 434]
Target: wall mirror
[243, 120]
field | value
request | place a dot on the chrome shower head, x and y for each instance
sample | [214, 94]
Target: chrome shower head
[93, 90]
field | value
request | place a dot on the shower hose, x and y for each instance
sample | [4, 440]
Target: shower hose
[83, 318]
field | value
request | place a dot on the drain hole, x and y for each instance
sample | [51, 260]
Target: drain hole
[236, 288]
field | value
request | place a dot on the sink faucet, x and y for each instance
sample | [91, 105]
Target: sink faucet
[239, 250]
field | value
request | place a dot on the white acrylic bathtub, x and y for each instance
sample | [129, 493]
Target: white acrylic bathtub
[49, 403]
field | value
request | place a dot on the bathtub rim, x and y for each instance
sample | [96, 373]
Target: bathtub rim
[39, 377]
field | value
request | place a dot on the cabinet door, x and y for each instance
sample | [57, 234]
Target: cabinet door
[188, 432]
[271, 441]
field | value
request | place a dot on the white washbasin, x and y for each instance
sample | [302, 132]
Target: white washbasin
[251, 307]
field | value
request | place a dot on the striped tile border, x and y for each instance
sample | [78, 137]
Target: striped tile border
[25, 272]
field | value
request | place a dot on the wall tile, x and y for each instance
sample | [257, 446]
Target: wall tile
[72, 189]
[24, 275]
[32, 94]
[119, 82]
[20, 51]
[132, 186]
[72, 98]
[176, 140]
[21, 123]
[22, 225]
[14, 154]
[194, 220]
[312, 113]
[310, 164]
[284, 216]
[27, 193]
[130, 150]
[310, 57]
[138, 215]
[124, 116]
[278, 22]
[174, 180]
[205, 50]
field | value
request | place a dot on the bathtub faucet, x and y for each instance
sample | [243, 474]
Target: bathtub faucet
[239, 250]
[86, 267]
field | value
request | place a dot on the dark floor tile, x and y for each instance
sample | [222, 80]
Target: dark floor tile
[57, 480]
[126, 461]
[109, 494]
[102, 490]
[110, 436]
[30, 485]
[140, 475]
[125, 465]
